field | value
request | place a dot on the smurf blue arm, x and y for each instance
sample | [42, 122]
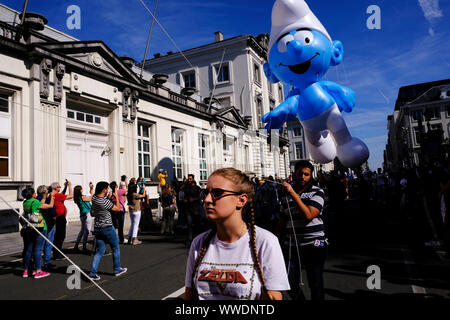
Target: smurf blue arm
[285, 112]
[344, 97]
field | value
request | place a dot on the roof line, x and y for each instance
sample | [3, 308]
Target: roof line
[243, 36]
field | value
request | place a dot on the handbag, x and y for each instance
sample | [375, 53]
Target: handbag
[34, 218]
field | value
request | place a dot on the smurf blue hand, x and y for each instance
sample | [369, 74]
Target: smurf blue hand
[285, 112]
[344, 97]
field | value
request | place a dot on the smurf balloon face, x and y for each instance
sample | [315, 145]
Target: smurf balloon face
[301, 57]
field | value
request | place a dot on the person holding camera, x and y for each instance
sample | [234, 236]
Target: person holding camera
[103, 229]
[49, 217]
[34, 242]
[305, 232]
[61, 214]
[84, 204]
[118, 218]
[162, 178]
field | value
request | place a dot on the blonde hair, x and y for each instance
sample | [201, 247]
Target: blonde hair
[244, 185]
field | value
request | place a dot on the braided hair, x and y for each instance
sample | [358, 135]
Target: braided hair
[242, 181]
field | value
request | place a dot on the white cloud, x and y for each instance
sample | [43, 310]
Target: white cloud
[432, 12]
[368, 119]
[431, 9]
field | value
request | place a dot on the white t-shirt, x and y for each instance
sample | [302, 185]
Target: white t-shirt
[227, 271]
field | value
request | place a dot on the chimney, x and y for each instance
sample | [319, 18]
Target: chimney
[169, 53]
[157, 55]
[218, 36]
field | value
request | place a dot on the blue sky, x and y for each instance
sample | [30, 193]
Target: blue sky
[413, 45]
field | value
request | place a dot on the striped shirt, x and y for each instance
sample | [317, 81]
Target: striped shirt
[100, 210]
[306, 231]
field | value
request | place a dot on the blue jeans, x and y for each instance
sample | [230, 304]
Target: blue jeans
[35, 246]
[103, 236]
[48, 248]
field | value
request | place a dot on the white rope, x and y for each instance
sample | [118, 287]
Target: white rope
[111, 132]
[57, 249]
[148, 39]
[296, 243]
[170, 38]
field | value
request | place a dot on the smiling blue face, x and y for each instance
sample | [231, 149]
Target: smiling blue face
[303, 56]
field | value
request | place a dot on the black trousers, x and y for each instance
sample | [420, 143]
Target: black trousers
[60, 234]
[313, 260]
[118, 219]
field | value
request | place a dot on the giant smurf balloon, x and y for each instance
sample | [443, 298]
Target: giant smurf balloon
[300, 53]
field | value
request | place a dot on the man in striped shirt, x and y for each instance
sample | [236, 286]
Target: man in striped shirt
[304, 231]
[103, 228]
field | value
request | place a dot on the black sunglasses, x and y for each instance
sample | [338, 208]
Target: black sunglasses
[217, 194]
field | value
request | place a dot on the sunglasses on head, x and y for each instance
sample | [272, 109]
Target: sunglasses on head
[218, 193]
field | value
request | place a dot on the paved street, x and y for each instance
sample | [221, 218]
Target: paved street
[156, 268]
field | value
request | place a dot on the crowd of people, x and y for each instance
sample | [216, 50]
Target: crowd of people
[45, 210]
[292, 211]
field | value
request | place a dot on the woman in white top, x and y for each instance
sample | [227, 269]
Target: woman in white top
[234, 260]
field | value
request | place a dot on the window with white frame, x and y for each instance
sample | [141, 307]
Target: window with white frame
[229, 149]
[247, 158]
[203, 155]
[222, 73]
[177, 152]
[189, 79]
[416, 135]
[83, 117]
[144, 150]
[260, 111]
[434, 113]
[299, 150]
[280, 93]
[437, 126]
[297, 131]
[417, 114]
[4, 157]
[272, 104]
[4, 103]
[269, 87]
[257, 73]
[5, 135]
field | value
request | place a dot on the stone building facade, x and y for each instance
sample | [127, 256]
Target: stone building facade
[74, 110]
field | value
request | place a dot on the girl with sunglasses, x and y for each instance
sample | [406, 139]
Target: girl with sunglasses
[235, 259]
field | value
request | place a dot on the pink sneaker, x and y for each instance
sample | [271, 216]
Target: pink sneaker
[41, 274]
[25, 274]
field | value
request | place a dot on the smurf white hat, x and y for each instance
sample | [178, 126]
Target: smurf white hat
[288, 15]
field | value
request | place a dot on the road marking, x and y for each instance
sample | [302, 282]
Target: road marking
[87, 287]
[175, 294]
[92, 285]
[412, 272]
[10, 253]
